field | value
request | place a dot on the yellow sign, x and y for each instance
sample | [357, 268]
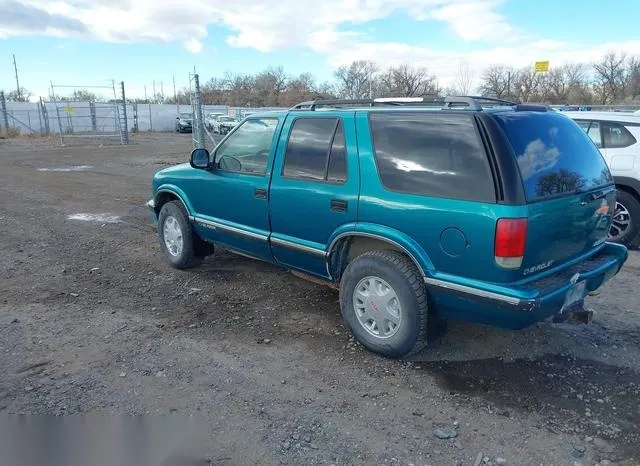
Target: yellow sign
[542, 66]
[69, 110]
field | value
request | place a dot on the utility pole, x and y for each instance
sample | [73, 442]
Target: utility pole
[161, 90]
[145, 93]
[154, 91]
[15, 67]
[175, 96]
[508, 84]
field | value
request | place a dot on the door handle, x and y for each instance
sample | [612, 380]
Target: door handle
[338, 205]
[260, 193]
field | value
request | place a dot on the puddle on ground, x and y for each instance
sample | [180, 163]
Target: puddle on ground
[102, 218]
[74, 168]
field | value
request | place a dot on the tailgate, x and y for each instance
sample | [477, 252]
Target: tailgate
[563, 228]
[568, 188]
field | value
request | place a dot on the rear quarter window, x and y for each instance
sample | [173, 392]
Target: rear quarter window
[431, 155]
[555, 156]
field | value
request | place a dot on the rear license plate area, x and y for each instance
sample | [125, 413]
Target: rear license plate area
[574, 298]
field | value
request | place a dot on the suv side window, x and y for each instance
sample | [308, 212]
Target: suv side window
[316, 150]
[616, 135]
[247, 149]
[594, 133]
[431, 155]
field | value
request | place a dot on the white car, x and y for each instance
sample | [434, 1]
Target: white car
[210, 119]
[224, 123]
[617, 135]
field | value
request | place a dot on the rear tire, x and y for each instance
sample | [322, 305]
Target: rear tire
[383, 300]
[178, 241]
[627, 210]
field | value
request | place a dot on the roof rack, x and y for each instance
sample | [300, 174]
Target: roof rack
[450, 102]
[474, 102]
[312, 104]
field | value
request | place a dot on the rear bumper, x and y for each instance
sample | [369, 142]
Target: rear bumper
[518, 306]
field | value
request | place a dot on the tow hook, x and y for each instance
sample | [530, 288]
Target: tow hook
[578, 316]
[584, 316]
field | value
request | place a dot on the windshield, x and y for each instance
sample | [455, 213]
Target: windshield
[186, 115]
[226, 118]
[554, 155]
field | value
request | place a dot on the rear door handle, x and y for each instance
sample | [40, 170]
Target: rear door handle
[338, 205]
[260, 193]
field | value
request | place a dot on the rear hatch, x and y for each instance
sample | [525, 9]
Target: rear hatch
[569, 190]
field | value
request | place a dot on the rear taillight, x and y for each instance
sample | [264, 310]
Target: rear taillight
[511, 237]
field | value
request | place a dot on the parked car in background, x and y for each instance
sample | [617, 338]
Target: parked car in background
[224, 124]
[617, 135]
[497, 215]
[184, 123]
[210, 119]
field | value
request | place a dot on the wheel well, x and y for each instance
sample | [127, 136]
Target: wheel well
[164, 197]
[350, 247]
[628, 190]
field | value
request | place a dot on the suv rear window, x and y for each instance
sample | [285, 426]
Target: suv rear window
[555, 156]
[437, 155]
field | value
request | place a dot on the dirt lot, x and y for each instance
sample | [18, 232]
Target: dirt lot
[93, 320]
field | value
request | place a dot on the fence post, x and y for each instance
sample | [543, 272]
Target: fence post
[60, 125]
[3, 109]
[45, 117]
[150, 122]
[40, 118]
[199, 122]
[92, 111]
[135, 117]
[125, 129]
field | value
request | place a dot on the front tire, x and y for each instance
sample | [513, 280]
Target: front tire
[383, 300]
[626, 219]
[178, 241]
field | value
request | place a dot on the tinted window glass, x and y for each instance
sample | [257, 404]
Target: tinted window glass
[594, 133]
[431, 155]
[308, 148]
[584, 124]
[554, 155]
[337, 169]
[616, 135]
[247, 149]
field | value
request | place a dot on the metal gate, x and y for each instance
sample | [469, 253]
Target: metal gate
[79, 119]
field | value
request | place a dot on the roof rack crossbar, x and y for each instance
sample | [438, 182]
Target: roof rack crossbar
[312, 104]
[473, 102]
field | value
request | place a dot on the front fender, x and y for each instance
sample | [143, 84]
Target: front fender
[388, 234]
[176, 191]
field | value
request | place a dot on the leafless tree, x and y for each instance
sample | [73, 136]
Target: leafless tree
[496, 82]
[527, 84]
[566, 84]
[407, 81]
[463, 83]
[15, 96]
[610, 77]
[356, 80]
[633, 78]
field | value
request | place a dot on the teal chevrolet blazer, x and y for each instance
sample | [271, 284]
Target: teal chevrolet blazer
[477, 208]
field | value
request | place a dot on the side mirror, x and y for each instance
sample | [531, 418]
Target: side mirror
[200, 158]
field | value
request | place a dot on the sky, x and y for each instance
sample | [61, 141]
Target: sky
[92, 42]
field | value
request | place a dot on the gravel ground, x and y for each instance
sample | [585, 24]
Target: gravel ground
[257, 361]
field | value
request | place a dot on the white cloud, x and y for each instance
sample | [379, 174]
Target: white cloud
[473, 20]
[193, 45]
[445, 63]
[325, 27]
